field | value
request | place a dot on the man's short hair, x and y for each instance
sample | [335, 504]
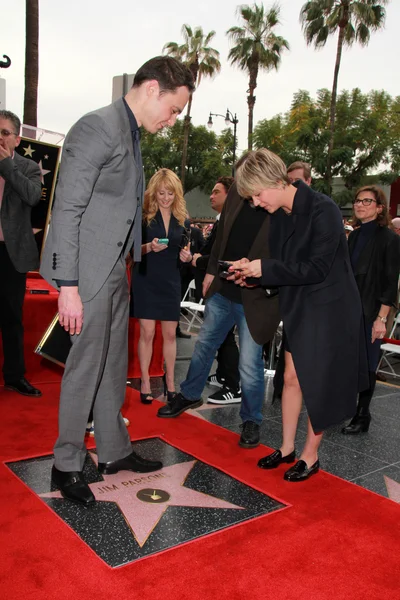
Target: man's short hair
[299, 164]
[169, 72]
[10, 116]
[258, 170]
[226, 182]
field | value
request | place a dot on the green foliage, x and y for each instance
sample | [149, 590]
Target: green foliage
[321, 18]
[209, 155]
[366, 142]
[256, 47]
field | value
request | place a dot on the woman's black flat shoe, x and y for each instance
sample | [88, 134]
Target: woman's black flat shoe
[300, 471]
[275, 459]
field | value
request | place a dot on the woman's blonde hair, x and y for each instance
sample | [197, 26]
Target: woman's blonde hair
[168, 179]
[258, 170]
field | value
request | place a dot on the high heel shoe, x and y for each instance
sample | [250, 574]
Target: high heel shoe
[146, 397]
[169, 395]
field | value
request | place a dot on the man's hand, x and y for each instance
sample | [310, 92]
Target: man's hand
[70, 309]
[156, 247]
[194, 259]
[208, 279]
[4, 152]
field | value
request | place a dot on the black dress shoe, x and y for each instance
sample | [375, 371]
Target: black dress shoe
[250, 437]
[132, 462]
[73, 486]
[177, 406]
[275, 459]
[300, 471]
[22, 386]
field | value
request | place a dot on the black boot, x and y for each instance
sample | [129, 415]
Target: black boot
[361, 420]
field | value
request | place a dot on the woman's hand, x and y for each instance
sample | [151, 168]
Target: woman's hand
[185, 255]
[156, 247]
[244, 268]
[378, 330]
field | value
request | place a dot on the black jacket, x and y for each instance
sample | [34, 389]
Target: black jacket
[202, 261]
[22, 191]
[377, 270]
[320, 305]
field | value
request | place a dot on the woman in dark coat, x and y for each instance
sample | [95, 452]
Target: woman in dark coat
[325, 362]
[375, 258]
[156, 280]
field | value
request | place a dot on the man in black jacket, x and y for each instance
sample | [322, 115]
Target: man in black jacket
[227, 376]
[20, 190]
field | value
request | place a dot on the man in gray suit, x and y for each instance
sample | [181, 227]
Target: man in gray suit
[20, 190]
[96, 220]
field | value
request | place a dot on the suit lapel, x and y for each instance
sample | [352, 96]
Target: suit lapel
[124, 126]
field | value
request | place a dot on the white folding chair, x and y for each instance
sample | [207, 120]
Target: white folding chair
[390, 350]
[195, 309]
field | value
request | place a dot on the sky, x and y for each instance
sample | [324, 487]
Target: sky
[84, 43]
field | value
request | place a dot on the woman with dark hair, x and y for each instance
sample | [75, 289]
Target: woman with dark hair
[156, 280]
[319, 302]
[375, 258]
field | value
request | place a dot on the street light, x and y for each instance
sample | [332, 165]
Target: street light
[229, 119]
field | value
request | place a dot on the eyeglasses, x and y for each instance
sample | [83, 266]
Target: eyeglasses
[365, 201]
[5, 133]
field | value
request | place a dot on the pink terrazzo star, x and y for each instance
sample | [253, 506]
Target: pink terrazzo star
[393, 489]
[143, 498]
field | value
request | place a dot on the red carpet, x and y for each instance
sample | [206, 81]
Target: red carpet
[337, 541]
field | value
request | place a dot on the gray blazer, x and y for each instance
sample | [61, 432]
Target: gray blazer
[97, 200]
[22, 191]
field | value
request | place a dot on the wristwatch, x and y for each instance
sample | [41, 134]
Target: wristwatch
[383, 319]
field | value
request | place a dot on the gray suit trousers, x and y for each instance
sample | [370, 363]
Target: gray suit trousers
[95, 375]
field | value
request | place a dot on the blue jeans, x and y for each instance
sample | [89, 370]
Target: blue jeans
[220, 316]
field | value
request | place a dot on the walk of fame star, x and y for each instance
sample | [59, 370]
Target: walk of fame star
[43, 172]
[28, 150]
[393, 489]
[143, 505]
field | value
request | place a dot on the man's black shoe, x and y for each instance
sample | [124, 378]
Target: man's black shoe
[73, 486]
[177, 406]
[180, 334]
[132, 462]
[250, 437]
[22, 386]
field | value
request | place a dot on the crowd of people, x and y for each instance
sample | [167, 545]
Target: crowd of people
[278, 251]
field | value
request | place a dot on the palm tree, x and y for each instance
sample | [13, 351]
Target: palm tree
[256, 47]
[203, 61]
[354, 20]
[31, 62]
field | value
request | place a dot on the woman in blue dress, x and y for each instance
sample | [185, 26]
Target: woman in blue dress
[156, 281]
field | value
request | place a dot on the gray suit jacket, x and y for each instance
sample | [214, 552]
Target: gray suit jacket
[96, 202]
[22, 191]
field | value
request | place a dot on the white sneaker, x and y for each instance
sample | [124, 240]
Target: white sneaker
[225, 396]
